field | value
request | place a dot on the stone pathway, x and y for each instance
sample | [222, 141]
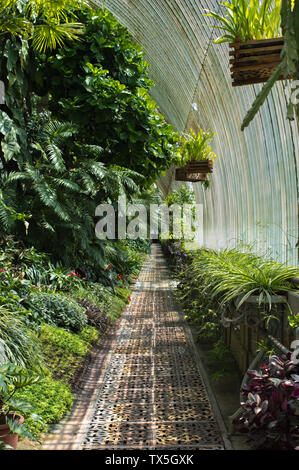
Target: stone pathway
[145, 388]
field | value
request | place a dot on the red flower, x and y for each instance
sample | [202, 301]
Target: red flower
[129, 299]
[2, 270]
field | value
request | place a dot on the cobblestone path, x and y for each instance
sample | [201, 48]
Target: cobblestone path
[151, 394]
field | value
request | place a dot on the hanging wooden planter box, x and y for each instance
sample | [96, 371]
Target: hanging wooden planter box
[194, 171]
[255, 61]
[204, 166]
[183, 174]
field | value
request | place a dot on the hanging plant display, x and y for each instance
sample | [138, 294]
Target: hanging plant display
[253, 31]
[197, 157]
[255, 61]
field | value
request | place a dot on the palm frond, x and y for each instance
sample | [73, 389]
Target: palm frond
[51, 35]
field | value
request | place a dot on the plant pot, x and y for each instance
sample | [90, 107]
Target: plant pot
[204, 166]
[194, 172]
[6, 436]
[183, 174]
[255, 61]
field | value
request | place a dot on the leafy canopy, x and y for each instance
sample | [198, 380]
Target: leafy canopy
[101, 84]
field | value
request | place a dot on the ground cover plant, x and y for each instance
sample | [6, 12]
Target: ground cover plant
[213, 282]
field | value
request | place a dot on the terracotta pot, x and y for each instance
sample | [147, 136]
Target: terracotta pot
[6, 436]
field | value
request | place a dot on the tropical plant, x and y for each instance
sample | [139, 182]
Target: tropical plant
[12, 379]
[271, 403]
[109, 80]
[56, 309]
[177, 201]
[195, 147]
[17, 343]
[181, 196]
[61, 188]
[235, 275]
[44, 22]
[247, 20]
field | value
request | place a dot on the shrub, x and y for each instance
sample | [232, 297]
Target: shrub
[104, 298]
[50, 400]
[89, 334]
[270, 406]
[70, 342]
[64, 351]
[17, 343]
[99, 295]
[114, 90]
[116, 308]
[95, 316]
[58, 310]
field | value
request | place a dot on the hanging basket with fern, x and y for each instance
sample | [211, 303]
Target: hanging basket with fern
[197, 157]
[253, 31]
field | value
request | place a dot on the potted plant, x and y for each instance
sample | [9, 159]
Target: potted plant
[196, 156]
[253, 30]
[12, 379]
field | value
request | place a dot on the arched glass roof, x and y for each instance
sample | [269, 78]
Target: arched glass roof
[253, 197]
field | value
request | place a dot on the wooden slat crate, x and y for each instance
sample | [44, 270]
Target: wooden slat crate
[182, 174]
[204, 166]
[255, 61]
[194, 171]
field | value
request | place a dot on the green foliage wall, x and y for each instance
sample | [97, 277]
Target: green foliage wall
[101, 83]
[95, 136]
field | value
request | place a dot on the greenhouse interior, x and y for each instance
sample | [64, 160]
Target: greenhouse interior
[149, 236]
